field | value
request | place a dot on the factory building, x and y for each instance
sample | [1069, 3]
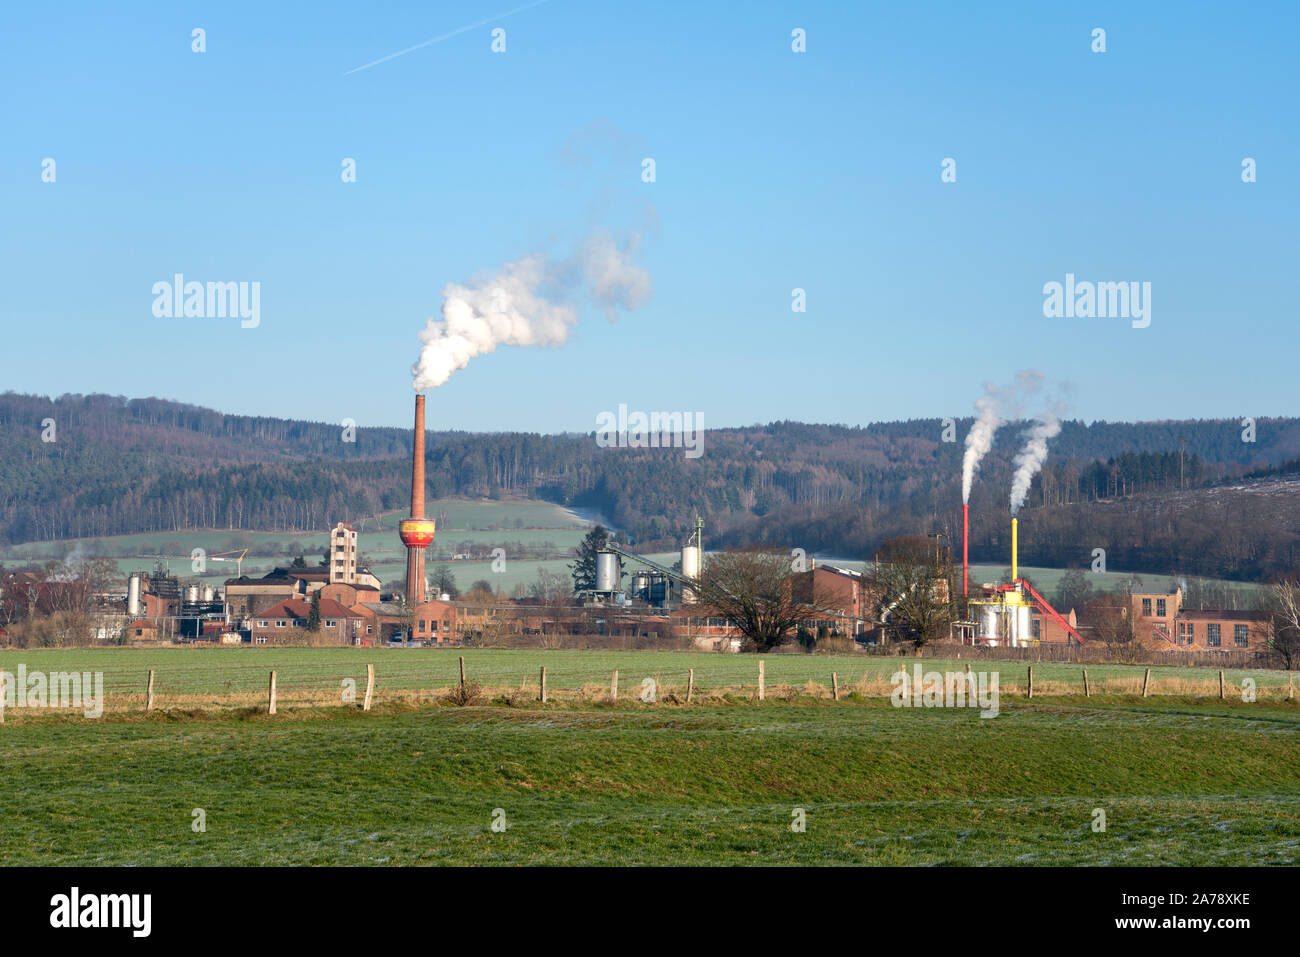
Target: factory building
[1220, 630]
[343, 554]
[1156, 611]
[337, 622]
[845, 595]
[246, 596]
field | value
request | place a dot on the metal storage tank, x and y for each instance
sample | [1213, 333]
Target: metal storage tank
[1025, 627]
[192, 593]
[989, 620]
[209, 593]
[658, 590]
[690, 569]
[641, 586]
[133, 595]
[608, 578]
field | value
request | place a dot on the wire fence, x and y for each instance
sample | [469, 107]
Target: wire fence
[199, 686]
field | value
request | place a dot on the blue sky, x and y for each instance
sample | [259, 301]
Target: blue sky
[775, 170]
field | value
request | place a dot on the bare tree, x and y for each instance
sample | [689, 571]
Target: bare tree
[1284, 603]
[754, 589]
[913, 579]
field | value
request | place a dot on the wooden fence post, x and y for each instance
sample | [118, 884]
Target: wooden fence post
[270, 696]
[835, 687]
[1290, 685]
[613, 687]
[1220, 684]
[543, 684]
[690, 685]
[761, 688]
[970, 680]
[370, 687]
[148, 694]
[462, 671]
[1086, 692]
[1031, 681]
[2, 696]
[1146, 680]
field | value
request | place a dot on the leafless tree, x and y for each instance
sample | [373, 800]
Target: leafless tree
[753, 588]
[1284, 603]
[912, 576]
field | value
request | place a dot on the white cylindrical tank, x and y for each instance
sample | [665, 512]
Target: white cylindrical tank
[133, 595]
[989, 623]
[1026, 626]
[208, 593]
[690, 569]
[192, 593]
[607, 576]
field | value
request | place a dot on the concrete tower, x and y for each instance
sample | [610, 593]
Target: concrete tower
[417, 531]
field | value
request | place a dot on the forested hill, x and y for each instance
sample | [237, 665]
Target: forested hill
[118, 466]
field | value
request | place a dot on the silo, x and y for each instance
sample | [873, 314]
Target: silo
[640, 586]
[658, 589]
[989, 629]
[133, 595]
[209, 593]
[1026, 627]
[192, 593]
[690, 569]
[608, 578]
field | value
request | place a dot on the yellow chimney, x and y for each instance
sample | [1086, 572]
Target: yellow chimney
[1015, 560]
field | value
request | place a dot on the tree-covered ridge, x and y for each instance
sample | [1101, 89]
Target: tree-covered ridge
[120, 466]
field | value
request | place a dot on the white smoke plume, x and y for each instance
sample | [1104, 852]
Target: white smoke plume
[528, 302]
[980, 438]
[991, 412]
[1047, 425]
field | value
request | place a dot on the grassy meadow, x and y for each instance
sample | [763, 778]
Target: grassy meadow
[1181, 777]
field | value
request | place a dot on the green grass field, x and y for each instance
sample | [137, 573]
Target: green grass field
[1182, 780]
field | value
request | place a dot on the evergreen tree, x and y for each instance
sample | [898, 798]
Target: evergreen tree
[583, 567]
[313, 615]
[444, 580]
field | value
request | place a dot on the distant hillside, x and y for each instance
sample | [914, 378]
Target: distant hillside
[121, 466]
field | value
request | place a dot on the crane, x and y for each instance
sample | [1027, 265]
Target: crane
[238, 560]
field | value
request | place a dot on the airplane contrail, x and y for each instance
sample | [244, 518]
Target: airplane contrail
[445, 36]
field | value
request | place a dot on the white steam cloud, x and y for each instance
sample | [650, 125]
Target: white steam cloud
[980, 438]
[991, 412]
[1047, 425]
[528, 302]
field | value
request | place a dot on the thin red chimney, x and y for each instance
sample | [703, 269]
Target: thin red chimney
[965, 543]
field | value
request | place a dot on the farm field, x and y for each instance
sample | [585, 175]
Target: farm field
[1181, 782]
[473, 523]
[211, 677]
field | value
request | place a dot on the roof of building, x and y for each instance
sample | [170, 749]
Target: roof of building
[837, 570]
[299, 608]
[309, 574]
[277, 577]
[1219, 614]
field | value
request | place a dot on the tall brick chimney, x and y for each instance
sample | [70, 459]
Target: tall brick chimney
[416, 532]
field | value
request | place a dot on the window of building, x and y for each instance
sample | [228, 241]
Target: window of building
[1160, 608]
[1212, 635]
[280, 624]
[261, 639]
[1036, 627]
[1240, 636]
[330, 623]
[1146, 606]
